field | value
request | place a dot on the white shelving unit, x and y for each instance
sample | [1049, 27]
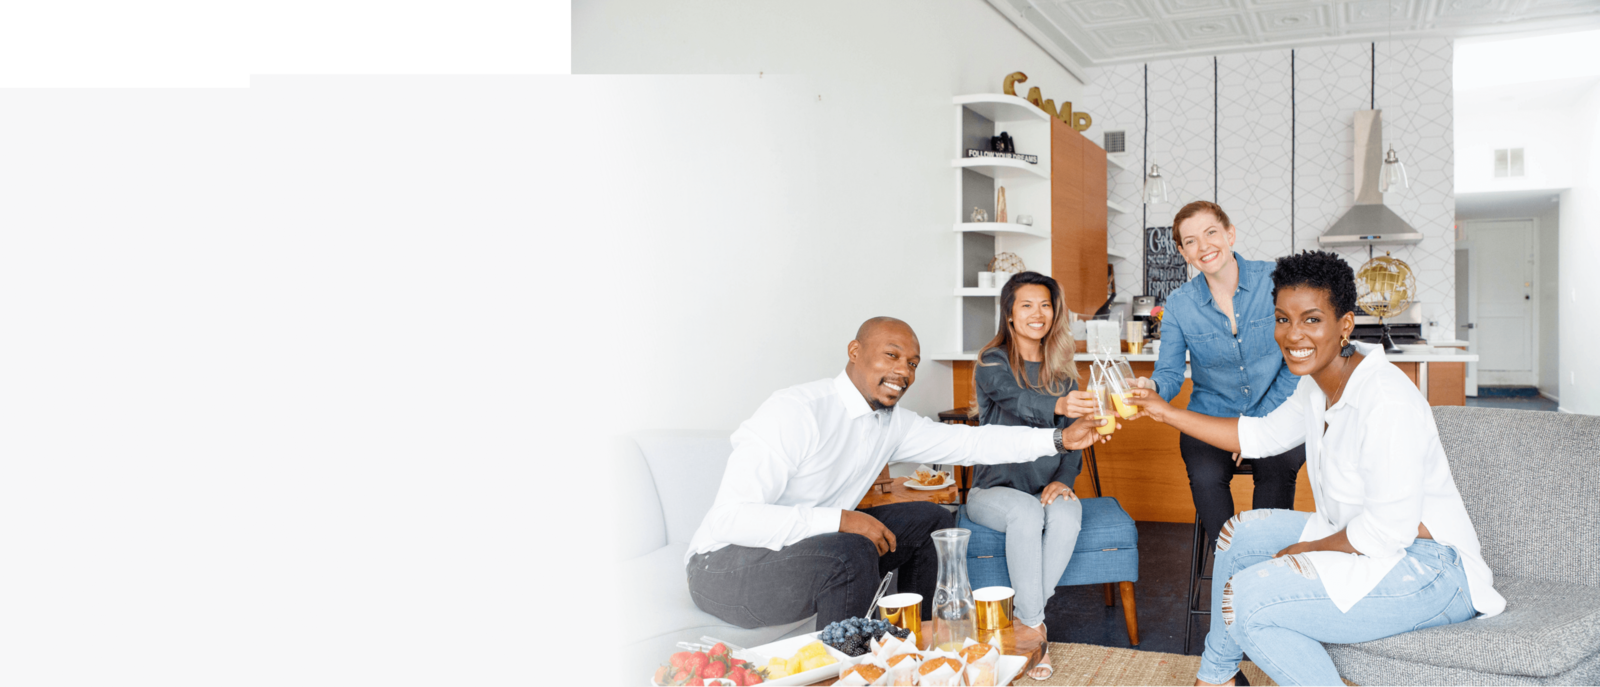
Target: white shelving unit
[977, 117]
[1115, 255]
[998, 228]
[1112, 206]
[1002, 169]
[1119, 160]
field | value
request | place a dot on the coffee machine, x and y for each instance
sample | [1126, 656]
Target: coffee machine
[1142, 305]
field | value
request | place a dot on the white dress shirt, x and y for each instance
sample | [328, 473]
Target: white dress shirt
[812, 451]
[1377, 472]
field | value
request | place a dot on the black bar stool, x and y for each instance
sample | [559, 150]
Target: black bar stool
[1198, 566]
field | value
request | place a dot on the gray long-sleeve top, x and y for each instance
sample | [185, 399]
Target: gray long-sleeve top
[1002, 402]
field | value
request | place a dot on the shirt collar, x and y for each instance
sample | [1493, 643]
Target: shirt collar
[1371, 353]
[855, 405]
[1205, 288]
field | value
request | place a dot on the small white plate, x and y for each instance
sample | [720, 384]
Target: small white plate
[948, 482]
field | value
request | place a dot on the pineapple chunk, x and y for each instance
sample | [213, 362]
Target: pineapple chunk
[816, 662]
[813, 650]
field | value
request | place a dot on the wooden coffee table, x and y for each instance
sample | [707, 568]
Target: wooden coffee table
[896, 491]
[1016, 640]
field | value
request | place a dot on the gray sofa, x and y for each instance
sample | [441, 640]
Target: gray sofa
[1531, 482]
[667, 481]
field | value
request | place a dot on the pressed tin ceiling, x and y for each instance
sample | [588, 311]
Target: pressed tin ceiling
[1092, 33]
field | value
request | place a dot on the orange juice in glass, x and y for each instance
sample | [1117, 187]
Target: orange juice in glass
[1104, 406]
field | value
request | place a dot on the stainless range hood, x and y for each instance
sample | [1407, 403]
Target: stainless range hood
[1369, 222]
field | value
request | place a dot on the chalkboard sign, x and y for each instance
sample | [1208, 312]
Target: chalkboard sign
[1164, 269]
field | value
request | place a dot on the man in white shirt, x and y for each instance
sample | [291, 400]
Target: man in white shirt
[783, 541]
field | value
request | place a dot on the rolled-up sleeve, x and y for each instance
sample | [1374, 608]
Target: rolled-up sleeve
[1282, 429]
[767, 450]
[933, 442]
[1393, 449]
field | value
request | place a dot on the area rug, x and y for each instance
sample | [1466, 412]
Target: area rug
[1088, 664]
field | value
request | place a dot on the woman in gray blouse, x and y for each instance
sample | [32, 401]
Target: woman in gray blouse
[1026, 376]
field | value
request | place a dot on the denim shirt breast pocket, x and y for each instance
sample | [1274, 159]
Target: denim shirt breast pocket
[1259, 337]
[1211, 350]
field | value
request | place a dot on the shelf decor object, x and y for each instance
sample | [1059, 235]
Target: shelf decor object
[1077, 120]
[1000, 205]
[980, 215]
[1007, 262]
[1155, 187]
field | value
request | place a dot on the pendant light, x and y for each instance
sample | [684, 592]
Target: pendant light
[1394, 177]
[1155, 187]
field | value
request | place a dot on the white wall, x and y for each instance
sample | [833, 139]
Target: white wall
[1244, 165]
[778, 212]
[1580, 282]
[1541, 134]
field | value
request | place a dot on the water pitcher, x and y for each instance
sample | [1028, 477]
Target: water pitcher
[953, 609]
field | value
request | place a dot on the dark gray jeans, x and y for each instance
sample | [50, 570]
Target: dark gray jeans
[831, 575]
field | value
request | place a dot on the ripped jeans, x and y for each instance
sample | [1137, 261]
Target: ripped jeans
[1279, 612]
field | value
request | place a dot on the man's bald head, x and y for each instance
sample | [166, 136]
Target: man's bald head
[879, 324]
[883, 360]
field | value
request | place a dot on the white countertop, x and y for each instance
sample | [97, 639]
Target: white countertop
[1151, 357]
[1393, 357]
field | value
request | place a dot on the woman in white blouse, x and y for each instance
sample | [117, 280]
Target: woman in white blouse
[1390, 548]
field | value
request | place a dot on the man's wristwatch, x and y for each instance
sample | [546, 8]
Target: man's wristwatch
[1060, 447]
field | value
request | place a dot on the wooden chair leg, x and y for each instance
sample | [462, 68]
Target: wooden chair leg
[1110, 601]
[1129, 613]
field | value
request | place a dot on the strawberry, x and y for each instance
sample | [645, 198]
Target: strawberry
[662, 674]
[680, 677]
[680, 659]
[751, 678]
[719, 652]
[697, 662]
[714, 669]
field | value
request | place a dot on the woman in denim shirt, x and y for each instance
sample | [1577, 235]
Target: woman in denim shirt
[1224, 320]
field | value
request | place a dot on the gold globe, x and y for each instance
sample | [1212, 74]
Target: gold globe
[1384, 286]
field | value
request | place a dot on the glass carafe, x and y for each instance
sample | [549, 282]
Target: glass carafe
[953, 610]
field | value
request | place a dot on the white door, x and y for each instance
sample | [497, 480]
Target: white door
[1502, 304]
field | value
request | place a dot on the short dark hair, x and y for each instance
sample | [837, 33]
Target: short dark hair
[1318, 270]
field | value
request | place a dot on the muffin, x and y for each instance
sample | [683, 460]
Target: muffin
[868, 672]
[938, 663]
[901, 658]
[976, 652]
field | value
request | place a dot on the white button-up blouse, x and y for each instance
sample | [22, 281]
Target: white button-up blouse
[1377, 472]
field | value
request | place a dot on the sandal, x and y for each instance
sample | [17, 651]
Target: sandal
[1044, 662]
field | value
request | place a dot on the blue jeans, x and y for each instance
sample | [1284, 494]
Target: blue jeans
[1279, 612]
[1039, 542]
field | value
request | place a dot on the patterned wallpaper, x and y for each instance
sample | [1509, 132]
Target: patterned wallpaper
[1220, 128]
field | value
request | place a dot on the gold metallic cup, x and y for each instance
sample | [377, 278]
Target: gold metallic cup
[904, 611]
[994, 607]
[1135, 347]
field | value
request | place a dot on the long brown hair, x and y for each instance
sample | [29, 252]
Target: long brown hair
[1059, 346]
